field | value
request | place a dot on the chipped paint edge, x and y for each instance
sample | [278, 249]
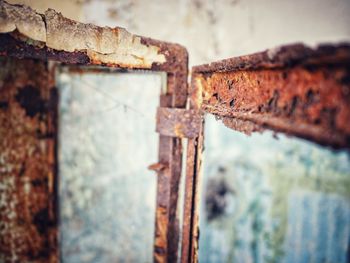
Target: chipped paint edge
[103, 45]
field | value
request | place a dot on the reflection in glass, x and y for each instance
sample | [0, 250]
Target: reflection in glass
[106, 141]
[268, 200]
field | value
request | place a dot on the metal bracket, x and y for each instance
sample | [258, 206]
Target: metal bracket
[180, 123]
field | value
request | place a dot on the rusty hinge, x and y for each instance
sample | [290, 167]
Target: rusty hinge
[181, 123]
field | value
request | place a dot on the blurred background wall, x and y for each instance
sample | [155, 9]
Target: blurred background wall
[212, 30]
[263, 200]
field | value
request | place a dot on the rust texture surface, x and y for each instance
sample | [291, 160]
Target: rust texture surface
[28, 221]
[180, 123]
[292, 89]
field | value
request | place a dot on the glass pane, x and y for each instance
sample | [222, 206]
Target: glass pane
[107, 139]
[268, 200]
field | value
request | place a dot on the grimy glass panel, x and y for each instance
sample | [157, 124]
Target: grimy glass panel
[268, 200]
[107, 139]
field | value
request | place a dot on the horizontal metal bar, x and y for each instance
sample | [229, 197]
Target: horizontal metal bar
[311, 101]
[180, 123]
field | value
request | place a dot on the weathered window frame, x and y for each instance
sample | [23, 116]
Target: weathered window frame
[25, 34]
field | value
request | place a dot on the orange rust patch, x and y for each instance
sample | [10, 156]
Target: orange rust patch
[28, 226]
[178, 130]
[300, 95]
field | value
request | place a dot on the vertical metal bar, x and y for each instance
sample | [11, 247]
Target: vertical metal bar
[190, 232]
[170, 158]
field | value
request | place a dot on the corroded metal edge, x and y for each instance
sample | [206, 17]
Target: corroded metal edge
[146, 54]
[281, 57]
[251, 122]
[303, 94]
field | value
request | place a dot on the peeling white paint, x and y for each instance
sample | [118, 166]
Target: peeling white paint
[24, 19]
[101, 44]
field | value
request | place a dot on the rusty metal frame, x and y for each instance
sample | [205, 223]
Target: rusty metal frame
[293, 89]
[46, 44]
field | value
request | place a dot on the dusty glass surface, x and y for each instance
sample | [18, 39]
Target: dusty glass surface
[268, 200]
[107, 139]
